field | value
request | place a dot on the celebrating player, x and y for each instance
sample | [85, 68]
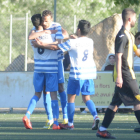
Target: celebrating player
[56, 34]
[82, 71]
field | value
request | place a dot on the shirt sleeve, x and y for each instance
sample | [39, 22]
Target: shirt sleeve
[66, 46]
[120, 43]
[134, 47]
[59, 34]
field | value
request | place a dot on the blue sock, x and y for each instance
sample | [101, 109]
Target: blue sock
[47, 105]
[71, 110]
[63, 99]
[56, 122]
[32, 105]
[91, 107]
[55, 109]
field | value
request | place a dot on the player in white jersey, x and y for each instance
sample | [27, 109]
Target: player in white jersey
[45, 73]
[57, 36]
[82, 71]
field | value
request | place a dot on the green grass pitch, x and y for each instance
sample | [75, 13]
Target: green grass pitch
[12, 128]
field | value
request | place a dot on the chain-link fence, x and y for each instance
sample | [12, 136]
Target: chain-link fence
[13, 40]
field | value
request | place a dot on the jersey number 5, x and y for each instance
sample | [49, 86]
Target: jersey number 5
[85, 55]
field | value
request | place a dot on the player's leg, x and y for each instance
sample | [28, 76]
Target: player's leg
[109, 115]
[55, 109]
[38, 85]
[62, 93]
[87, 89]
[48, 109]
[63, 100]
[137, 114]
[73, 89]
[51, 84]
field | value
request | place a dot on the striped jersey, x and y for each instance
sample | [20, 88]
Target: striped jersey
[46, 61]
[81, 58]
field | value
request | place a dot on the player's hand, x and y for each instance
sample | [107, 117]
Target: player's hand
[73, 36]
[119, 82]
[37, 43]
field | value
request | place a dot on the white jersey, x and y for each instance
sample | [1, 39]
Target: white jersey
[45, 60]
[81, 58]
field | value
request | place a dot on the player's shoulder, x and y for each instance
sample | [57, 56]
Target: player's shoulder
[121, 34]
[56, 24]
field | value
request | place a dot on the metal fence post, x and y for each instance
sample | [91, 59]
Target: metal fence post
[26, 42]
[54, 10]
[139, 24]
[74, 24]
[10, 49]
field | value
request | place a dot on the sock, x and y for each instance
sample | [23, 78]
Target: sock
[71, 110]
[56, 122]
[91, 107]
[102, 128]
[55, 109]
[32, 105]
[109, 115]
[137, 114]
[63, 99]
[27, 115]
[47, 105]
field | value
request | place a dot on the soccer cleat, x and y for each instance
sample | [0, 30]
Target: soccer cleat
[66, 126]
[95, 125]
[56, 127]
[104, 134]
[137, 130]
[27, 122]
[48, 124]
[65, 121]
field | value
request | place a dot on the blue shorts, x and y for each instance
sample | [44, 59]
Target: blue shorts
[49, 80]
[60, 72]
[86, 87]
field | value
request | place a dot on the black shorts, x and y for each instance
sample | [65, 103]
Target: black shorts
[126, 94]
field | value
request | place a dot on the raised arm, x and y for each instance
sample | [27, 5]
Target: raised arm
[65, 34]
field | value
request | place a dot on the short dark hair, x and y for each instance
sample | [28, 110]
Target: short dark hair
[126, 13]
[84, 27]
[46, 13]
[137, 34]
[36, 20]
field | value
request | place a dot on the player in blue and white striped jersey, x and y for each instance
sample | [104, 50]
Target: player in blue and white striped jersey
[48, 25]
[82, 71]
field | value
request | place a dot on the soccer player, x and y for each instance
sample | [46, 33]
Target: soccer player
[44, 74]
[49, 25]
[82, 71]
[126, 89]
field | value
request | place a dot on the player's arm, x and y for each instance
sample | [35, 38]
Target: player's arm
[118, 59]
[33, 34]
[136, 50]
[39, 44]
[65, 34]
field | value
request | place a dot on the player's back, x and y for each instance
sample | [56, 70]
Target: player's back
[81, 56]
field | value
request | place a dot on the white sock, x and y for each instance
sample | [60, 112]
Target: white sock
[102, 128]
[70, 124]
[94, 117]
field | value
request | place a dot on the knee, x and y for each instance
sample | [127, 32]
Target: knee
[38, 94]
[114, 108]
[60, 87]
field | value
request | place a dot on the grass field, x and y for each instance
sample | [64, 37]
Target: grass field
[12, 128]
